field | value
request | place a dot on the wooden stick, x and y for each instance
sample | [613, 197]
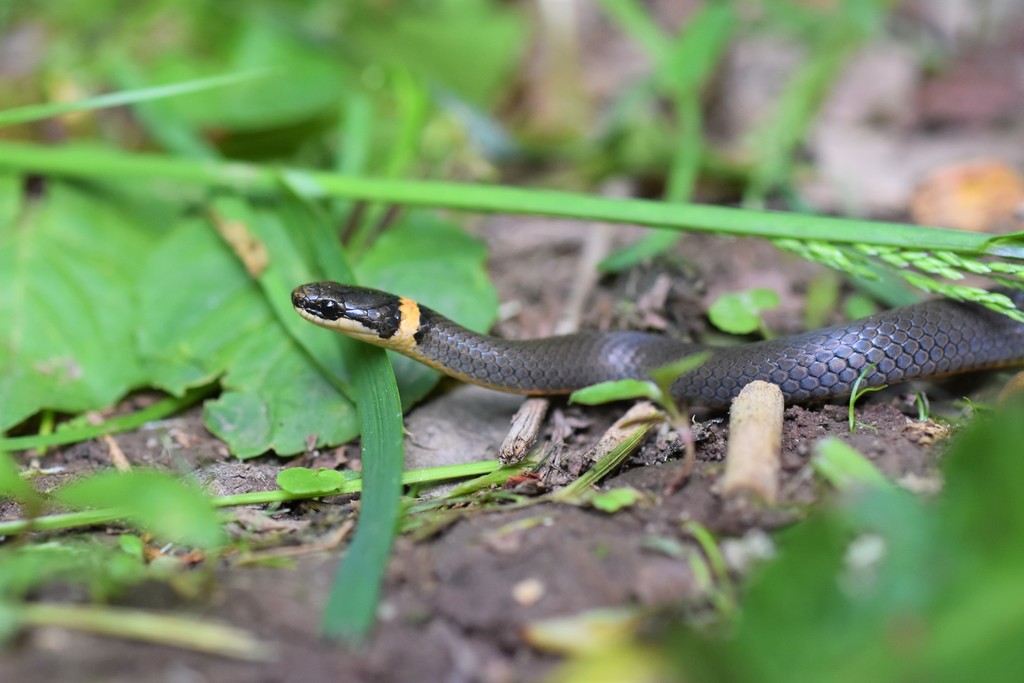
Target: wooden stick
[755, 442]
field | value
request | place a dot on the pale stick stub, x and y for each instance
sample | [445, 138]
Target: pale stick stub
[752, 459]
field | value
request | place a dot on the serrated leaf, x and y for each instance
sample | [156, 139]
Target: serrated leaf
[276, 399]
[218, 322]
[69, 262]
[154, 501]
[740, 312]
[305, 481]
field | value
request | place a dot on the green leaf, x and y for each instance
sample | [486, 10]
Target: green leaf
[308, 366]
[844, 467]
[276, 399]
[616, 499]
[983, 467]
[154, 501]
[216, 323]
[190, 329]
[740, 312]
[132, 545]
[850, 572]
[303, 480]
[219, 322]
[70, 260]
[666, 375]
[617, 390]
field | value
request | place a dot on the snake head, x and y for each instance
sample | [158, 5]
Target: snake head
[367, 314]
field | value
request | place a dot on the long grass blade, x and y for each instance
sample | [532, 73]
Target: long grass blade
[36, 112]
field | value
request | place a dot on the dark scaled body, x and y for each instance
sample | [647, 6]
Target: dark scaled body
[929, 339]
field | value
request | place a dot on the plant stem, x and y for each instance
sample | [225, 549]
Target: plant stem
[97, 164]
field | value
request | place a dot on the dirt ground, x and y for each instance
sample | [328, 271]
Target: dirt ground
[452, 607]
[451, 610]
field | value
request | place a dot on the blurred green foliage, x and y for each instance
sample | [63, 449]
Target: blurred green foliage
[885, 586]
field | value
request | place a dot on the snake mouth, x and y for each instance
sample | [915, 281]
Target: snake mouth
[313, 303]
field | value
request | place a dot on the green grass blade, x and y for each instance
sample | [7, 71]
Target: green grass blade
[157, 411]
[41, 111]
[97, 164]
[427, 475]
[352, 604]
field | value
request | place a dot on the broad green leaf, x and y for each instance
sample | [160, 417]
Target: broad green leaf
[155, 501]
[190, 327]
[740, 312]
[276, 399]
[306, 481]
[277, 395]
[67, 298]
[218, 322]
[985, 484]
[948, 568]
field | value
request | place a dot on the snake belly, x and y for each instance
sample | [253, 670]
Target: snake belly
[929, 339]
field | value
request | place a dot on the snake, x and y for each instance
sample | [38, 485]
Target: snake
[921, 341]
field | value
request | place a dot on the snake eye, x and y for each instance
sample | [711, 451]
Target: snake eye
[330, 310]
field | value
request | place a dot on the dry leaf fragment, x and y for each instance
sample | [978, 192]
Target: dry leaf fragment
[980, 196]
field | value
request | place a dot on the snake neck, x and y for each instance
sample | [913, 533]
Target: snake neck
[553, 365]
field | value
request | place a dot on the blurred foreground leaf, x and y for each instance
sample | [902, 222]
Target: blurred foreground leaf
[154, 501]
[888, 587]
